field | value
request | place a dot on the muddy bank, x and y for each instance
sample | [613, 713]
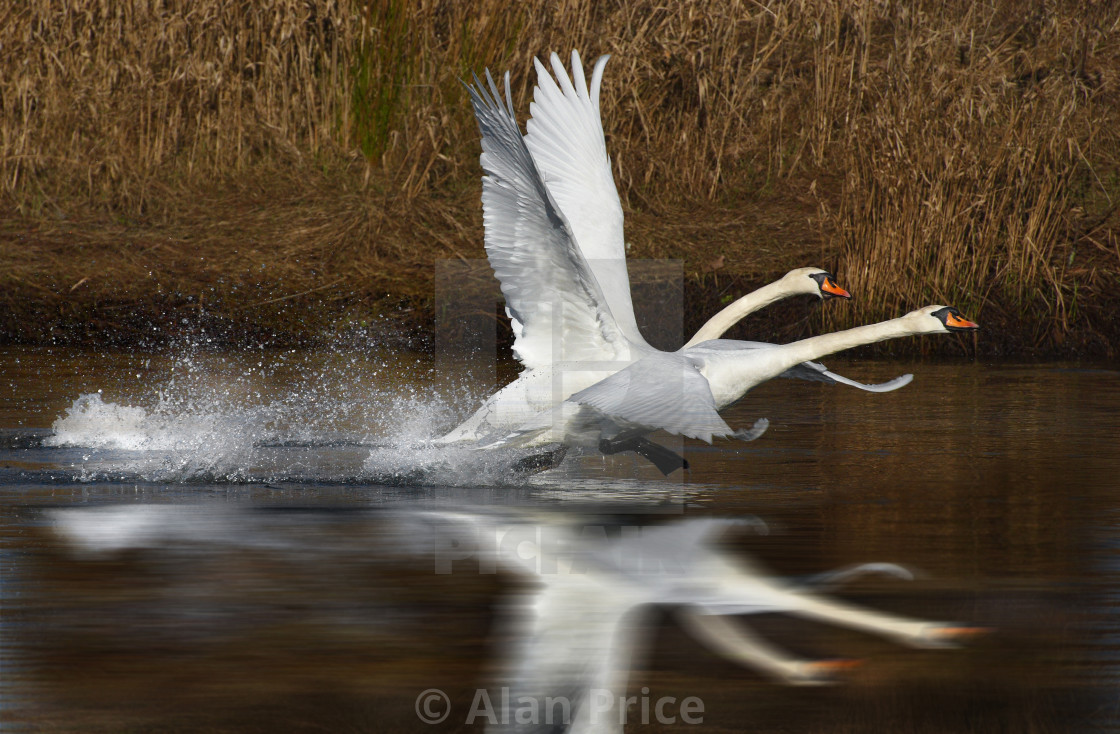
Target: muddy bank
[238, 274]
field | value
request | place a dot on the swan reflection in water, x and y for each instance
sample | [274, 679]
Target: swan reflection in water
[572, 636]
[577, 632]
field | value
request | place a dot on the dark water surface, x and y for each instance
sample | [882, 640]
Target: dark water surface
[269, 571]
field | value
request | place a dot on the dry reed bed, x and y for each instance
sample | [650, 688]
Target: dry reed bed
[961, 153]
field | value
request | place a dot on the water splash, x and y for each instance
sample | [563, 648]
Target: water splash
[90, 422]
[271, 417]
[342, 416]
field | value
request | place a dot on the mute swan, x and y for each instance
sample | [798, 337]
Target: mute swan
[567, 163]
[681, 392]
[562, 316]
[541, 388]
[808, 281]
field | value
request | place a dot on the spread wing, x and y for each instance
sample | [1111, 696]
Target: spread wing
[659, 391]
[817, 372]
[551, 293]
[565, 136]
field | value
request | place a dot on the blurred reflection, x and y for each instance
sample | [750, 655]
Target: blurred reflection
[569, 641]
[575, 636]
[286, 604]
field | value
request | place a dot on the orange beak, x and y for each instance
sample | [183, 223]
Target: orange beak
[957, 322]
[830, 288]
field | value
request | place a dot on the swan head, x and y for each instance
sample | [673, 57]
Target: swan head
[816, 282]
[941, 319]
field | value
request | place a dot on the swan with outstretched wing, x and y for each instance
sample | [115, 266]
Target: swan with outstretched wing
[622, 388]
[554, 237]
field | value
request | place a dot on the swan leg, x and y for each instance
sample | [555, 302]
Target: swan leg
[666, 460]
[540, 462]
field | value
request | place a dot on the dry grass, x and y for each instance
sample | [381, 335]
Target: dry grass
[964, 153]
[966, 174]
[114, 102]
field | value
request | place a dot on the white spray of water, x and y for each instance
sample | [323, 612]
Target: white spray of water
[355, 416]
[288, 416]
[90, 422]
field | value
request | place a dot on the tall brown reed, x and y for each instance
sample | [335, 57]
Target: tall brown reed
[106, 100]
[956, 152]
[961, 159]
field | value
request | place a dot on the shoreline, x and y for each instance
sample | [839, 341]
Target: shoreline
[168, 296]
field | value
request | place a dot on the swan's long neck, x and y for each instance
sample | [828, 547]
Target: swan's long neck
[748, 304]
[818, 346]
[733, 373]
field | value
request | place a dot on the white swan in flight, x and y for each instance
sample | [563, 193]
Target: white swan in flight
[564, 318]
[568, 162]
[682, 392]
